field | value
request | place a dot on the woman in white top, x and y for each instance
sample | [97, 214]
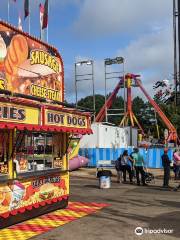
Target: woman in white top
[126, 165]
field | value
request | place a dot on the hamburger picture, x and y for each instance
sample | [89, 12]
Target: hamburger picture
[46, 191]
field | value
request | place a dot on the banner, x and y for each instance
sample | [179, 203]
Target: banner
[28, 66]
[21, 194]
[62, 119]
[18, 114]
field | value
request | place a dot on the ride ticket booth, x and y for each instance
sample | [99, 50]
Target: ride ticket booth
[35, 128]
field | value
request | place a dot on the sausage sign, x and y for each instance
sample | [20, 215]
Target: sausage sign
[28, 66]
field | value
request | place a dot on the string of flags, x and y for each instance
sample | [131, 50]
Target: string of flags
[43, 12]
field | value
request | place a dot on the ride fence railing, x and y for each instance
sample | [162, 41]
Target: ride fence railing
[106, 157]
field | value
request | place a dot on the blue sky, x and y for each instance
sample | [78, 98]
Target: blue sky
[138, 30]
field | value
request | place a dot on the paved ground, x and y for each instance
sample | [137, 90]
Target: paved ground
[130, 207]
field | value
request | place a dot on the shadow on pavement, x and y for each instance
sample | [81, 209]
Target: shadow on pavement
[91, 186]
[168, 220]
[170, 203]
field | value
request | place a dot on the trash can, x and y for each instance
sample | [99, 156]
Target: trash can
[104, 178]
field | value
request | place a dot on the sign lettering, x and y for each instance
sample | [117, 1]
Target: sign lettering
[43, 58]
[63, 119]
[19, 114]
[12, 113]
[39, 182]
[43, 92]
[2, 84]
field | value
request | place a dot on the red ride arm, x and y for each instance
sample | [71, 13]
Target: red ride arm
[157, 108]
[100, 116]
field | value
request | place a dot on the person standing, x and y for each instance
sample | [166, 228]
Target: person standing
[176, 156]
[139, 166]
[118, 169]
[126, 165]
[166, 163]
[133, 169]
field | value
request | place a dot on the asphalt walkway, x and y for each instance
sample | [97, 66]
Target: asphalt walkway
[151, 208]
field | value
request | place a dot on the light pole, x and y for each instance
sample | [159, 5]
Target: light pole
[111, 75]
[85, 77]
[176, 36]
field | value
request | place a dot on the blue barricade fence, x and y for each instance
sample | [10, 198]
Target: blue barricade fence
[107, 156]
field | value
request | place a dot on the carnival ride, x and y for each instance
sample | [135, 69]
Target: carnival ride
[129, 118]
[132, 80]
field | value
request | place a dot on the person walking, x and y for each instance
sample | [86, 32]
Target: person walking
[126, 166]
[139, 166]
[166, 163]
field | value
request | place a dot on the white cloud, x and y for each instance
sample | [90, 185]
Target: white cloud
[122, 16]
[150, 55]
[149, 26]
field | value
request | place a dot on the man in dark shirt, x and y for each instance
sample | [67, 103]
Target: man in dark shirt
[166, 165]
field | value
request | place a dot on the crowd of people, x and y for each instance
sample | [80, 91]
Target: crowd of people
[134, 165]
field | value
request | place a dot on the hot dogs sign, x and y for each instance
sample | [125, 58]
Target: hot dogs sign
[28, 66]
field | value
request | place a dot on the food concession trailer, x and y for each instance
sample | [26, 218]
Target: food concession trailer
[36, 127]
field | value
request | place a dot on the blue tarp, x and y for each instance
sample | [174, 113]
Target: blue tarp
[107, 156]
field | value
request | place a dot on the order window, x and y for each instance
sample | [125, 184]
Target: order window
[37, 151]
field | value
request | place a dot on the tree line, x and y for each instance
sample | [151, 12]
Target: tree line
[143, 111]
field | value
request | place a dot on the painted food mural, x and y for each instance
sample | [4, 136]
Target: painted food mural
[22, 194]
[29, 67]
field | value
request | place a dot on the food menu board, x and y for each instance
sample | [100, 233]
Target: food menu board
[28, 66]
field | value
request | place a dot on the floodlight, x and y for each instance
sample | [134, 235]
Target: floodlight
[89, 62]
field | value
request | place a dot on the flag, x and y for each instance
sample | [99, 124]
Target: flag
[26, 8]
[20, 23]
[45, 15]
[41, 12]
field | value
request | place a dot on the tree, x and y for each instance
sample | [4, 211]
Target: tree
[87, 102]
[142, 110]
[137, 105]
[118, 103]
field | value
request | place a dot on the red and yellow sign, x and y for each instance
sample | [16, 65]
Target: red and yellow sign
[62, 119]
[19, 114]
[28, 66]
[22, 194]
